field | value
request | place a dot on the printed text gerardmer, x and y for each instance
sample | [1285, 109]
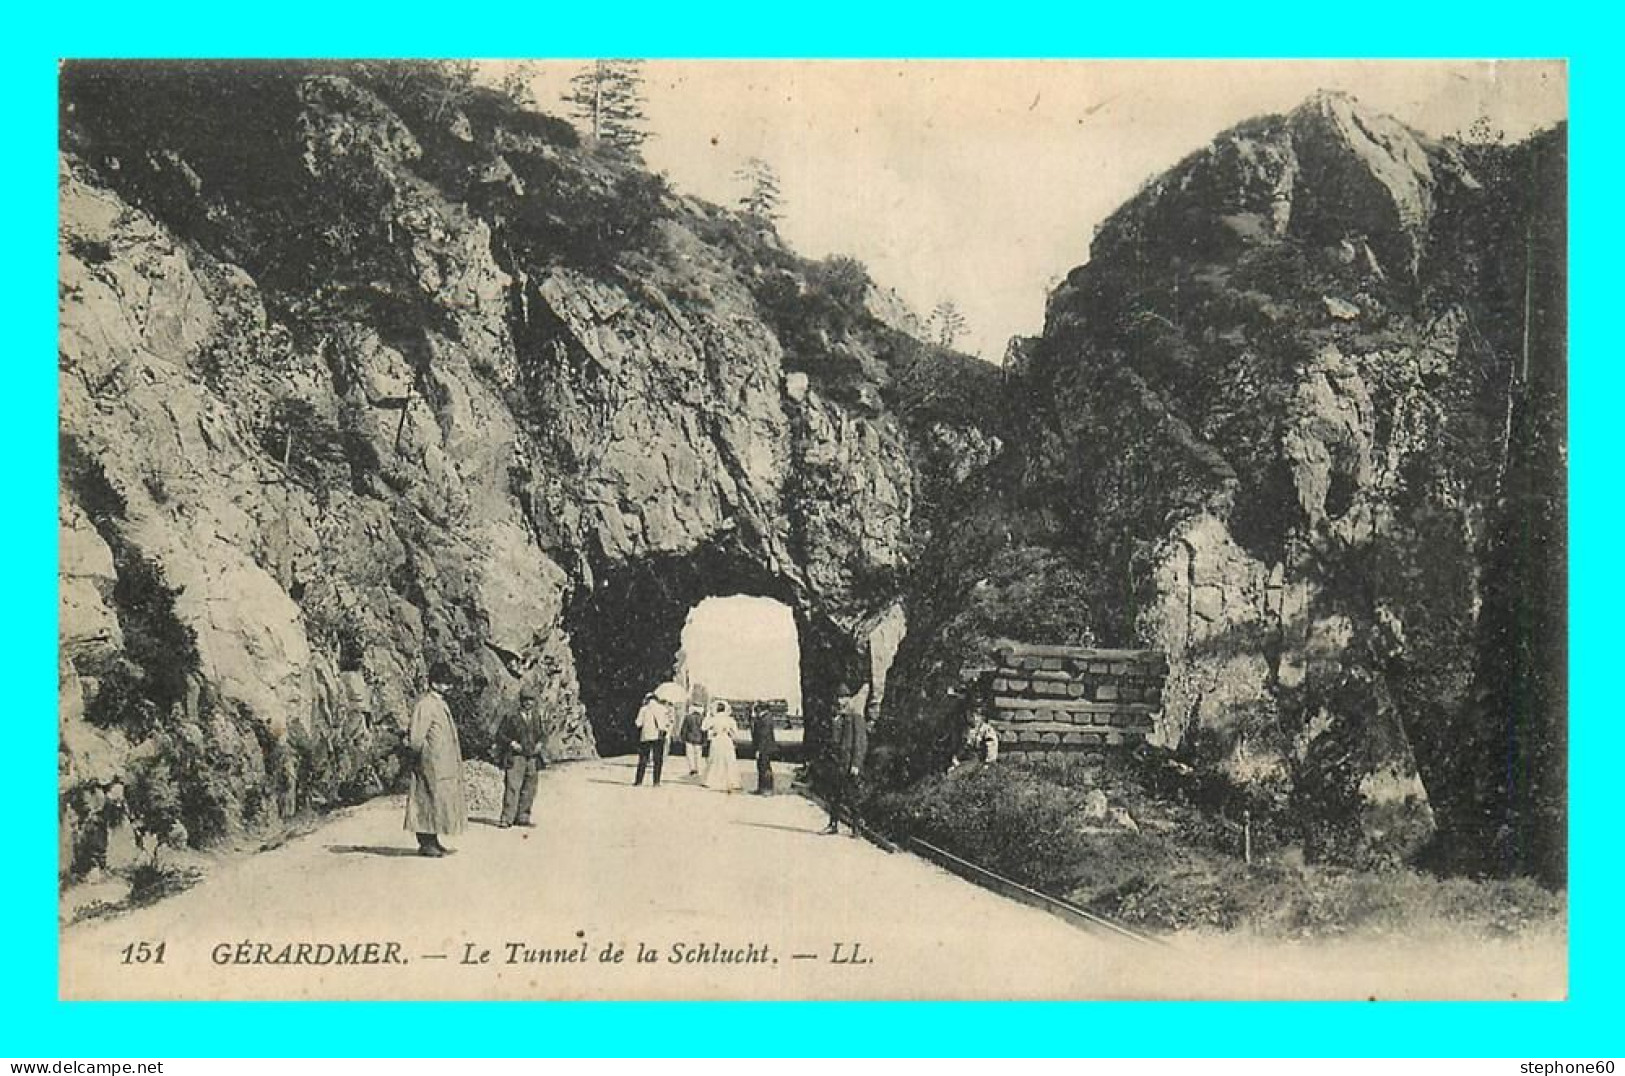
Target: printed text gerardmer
[307, 954]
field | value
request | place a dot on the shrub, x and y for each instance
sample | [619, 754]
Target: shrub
[1024, 820]
[121, 701]
[154, 795]
[572, 217]
[155, 639]
[151, 882]
[298, 433]
[204, 781]
[87, 478]
[138, 688]
[998, 816]
[818, 312]
[87, 805]
[189, 781]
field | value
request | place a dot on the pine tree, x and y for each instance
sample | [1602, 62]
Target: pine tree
[947, 323]
[515, 84]
[431, 87]
[1483, 132]
[608, 99]
[451, 83]
[761, 199]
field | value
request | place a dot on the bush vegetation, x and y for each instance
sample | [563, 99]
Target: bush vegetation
[1182, 869]
[191, 780]
[313, 448]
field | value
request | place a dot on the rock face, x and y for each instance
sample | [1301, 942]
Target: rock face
[1298, 423]
[362, 368]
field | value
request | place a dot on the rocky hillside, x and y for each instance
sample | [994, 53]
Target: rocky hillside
[363, 367]
[1299, 423]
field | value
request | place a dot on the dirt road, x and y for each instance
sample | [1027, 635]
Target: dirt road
[722, 896]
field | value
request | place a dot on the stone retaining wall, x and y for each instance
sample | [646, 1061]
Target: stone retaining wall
[1062, 699]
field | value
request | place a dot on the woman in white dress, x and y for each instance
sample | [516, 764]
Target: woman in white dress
[721, 771]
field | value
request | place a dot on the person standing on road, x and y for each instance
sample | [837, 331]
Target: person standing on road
[435, 804]
[692, 734]
[722, 764]
[653, 721]
[523, 743]
[765, 743]
[848, 747]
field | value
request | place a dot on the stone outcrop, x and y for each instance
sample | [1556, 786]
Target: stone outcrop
[1281, 427]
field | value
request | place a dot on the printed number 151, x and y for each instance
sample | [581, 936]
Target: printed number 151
[143, 953]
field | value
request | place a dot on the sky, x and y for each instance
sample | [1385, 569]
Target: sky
[744, 648]
[983, 181]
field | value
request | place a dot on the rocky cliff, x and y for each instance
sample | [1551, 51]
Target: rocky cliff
[1298, 422]
[362, 367]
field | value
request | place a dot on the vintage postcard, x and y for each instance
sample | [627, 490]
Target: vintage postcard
[795, 530]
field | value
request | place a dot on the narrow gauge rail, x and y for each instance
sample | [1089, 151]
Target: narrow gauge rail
[997, 883]
[1062, 909]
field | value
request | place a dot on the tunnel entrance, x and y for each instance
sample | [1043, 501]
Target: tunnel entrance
[743, 647]
[628, 633]
[747, 650]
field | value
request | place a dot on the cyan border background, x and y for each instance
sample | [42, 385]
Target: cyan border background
[33, 1023]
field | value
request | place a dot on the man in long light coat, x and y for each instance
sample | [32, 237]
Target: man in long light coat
[435, 802]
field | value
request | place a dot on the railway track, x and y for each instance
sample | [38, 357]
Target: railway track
[996, 882]
[1007, 887]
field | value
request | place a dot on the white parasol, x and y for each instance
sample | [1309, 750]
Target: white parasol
[671, 693]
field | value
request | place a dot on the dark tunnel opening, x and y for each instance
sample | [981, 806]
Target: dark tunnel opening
[627, 634]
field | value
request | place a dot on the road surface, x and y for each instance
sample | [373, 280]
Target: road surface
[728, 896]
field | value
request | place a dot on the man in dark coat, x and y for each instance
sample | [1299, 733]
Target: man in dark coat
[522, 742]
[692, 732]
[766, 745]
[848, 747]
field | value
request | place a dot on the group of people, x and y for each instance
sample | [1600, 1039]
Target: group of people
[436, 805]
[706, 734]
